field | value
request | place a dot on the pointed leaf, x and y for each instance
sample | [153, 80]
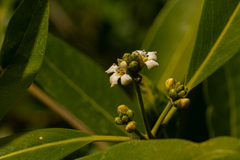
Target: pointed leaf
[173, 35]
[83, 88]
[218, 39]
[223, 90]
[217, 148]
[22, 51]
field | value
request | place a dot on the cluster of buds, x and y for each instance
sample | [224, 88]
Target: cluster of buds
[176, 93]
[125, 118]
[129, 66]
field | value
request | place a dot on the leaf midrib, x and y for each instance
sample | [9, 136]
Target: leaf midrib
[197, 73]
[81, 92]
[88, 139]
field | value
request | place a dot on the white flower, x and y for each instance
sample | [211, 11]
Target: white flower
[149, 58]
[119, 71]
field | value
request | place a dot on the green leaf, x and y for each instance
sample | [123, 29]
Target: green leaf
[172, 35]
[217, 41]
[83, 88]
[22, 52]
[217, 148]
[223, 112]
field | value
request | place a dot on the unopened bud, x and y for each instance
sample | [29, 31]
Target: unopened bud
[122, 110]
[118, 121]
[135, 56]
[131, 126]
[179, 88]
[133, 65]
[130, 114]
[181, 93]
[127, 57]
[125, 119]
[169, 84]
[186, 89]
[177, 85]
[173, 94]
[183, 103]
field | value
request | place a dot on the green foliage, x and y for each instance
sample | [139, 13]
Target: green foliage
[217, 39]
[223, 112]
[216, 148]
[88, 35]
[173, 35]
[22, 51]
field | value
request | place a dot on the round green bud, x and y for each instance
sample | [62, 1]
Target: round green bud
[131, 126]
[135, 56]
[122, 110]
[173, 94]
[181, 93]
[169, 84]
[179, 88]
[133, 65]
[118, 121]
[125, 119]
[183, 103]
[177, 85]
[130, 114]
[127, 57]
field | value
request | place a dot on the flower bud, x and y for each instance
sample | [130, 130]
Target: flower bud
[135, 56]
[169, 84]
[122, 110]
[181, 93]
[130, 114]
[173, 94]
[179, 88]
[133, 65]
[127, 57]
[131, 126]
[125, 119]
[177, 85]
[183, 103]
[118, 121]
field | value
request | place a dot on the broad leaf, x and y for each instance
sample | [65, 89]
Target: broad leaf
[223, 91]
[22, 52]
[218, 39]
[83, 88]
[173, 35]
[43, 144]
[217, 148]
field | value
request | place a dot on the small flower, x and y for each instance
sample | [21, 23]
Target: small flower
[119, 71]
[149, 58]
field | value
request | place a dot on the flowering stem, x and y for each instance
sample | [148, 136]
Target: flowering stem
[142, 110]
[140, 135]
[157, 126]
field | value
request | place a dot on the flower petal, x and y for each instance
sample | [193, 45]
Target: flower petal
[151, 64]
[114, 79]
[126, 79]
[152, 55]
[112, 69]
[122, 64]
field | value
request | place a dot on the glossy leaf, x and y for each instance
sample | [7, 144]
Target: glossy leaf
[173, 35]
[47, 143]
[218, 39]
[223, 91]
[217, 148]
[22, 52]
[83, 88]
